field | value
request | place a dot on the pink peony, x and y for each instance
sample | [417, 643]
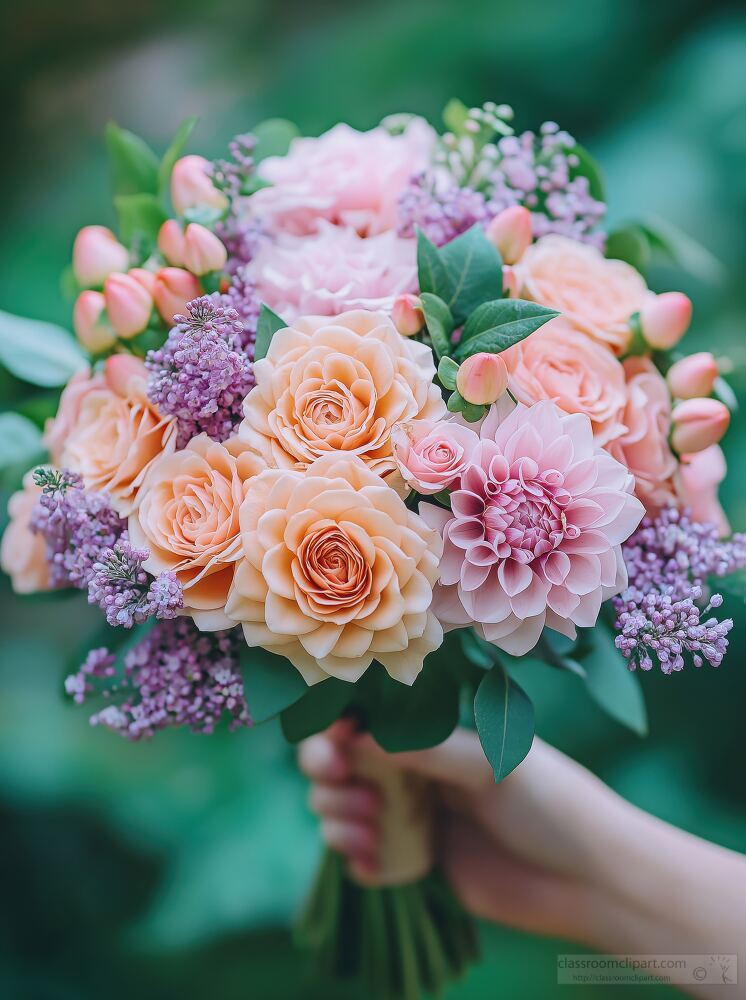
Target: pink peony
[333, 271]
[348, 177]
[536, 528]
[432, 455]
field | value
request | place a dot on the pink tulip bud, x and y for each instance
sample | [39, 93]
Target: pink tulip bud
[128, 304]
[693, 376]
[171, 242]
[510, 282]
[203, 251]
[699, 477]
[482, 378]
[192, 188]
[96, 253]
[119, 369]
[664, 319]
[145, 277]
[174, 287]
[407, 315]
[698, 423]
[511, 232]
[91, 328]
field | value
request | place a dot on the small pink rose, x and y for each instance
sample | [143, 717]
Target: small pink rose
[431, 455]
[407, 314]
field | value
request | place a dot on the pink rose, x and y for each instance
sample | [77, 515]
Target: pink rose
[698, 479]
[596, 295]
[22, 551]
[333, 271]
[644, 447]
[432, 454]
[58, 428]
[348, 177]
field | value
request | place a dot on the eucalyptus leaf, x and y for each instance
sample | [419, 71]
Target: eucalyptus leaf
[319, 707]
[273, 138]
[21, 447]
[439, 323]
[271, 682]
[140, 217]
[134, 165]
[505, 721]
[173, 153]
[38, 352]
[496, 326]
[267, 326]
[609, 681]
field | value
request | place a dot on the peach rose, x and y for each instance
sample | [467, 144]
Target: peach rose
[580, 375]
[644, 447]
[23, 552]
[338, 384]
[596, 295]
[117, 434]
[336, 572]
[58, 428]
[187, 516]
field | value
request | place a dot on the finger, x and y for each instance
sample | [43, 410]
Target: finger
[324, 759]
[458, 761]
[354, 800]
[354, 839]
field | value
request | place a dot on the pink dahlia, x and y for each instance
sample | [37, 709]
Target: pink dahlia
[536, 528]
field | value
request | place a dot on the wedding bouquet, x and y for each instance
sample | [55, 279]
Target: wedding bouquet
[352, 425]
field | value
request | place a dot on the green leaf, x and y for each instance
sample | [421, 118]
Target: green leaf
[505, 721]
[732, 583]
[682, 249]
[464, 273]
[21, 447]
[134, 165]
[273, 138]
[496, 326]
[587, 167]
[609, 681]
[271, 682]
[455, 116]
[173, 153]
[447, 371]
[439, 323]
[477, 650]
[456, 402]
[722, 390]
[319, 707]
[629, 244]
[140, 218]
[267, 326]
[37, 352]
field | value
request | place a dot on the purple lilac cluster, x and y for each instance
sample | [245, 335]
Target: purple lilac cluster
[241, 295]
[660, 616]
[234, 178]
[77, 526]
[202, 373]
[530, 170]
[174, 676]
[126, 593]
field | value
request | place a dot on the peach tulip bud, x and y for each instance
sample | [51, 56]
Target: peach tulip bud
[145, 277]
[174, 287]
[128, 304]
[407, 315]
[203, 251]
[664, 319]
[699, 477]
[171, 242]
[96, 253]
[482, 378]
[119, 369]
[91, 328]
[511, 232]
[693, 376]
[698, 423]
[192, 188]
[510, 282]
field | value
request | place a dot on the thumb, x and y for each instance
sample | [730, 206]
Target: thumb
[458, 761]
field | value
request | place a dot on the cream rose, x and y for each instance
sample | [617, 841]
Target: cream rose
[23, 552]
[580, 375]
[117, 435]
[596, 295]
[187, 517]
[336, 572]
[338, 384]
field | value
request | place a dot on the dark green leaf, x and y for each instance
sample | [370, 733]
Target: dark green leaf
[464, 273]
[447, 371]
[477, 650]
[140, 217]
[439, 323]
[321, 705]
[587, 167]
[733, 584]
[682, 249]
[456, 402]
[496, 326]
[505, 721]
[609, 681]
[37, 352]
[173, 153]
[267, 326]
[134, 165]
[271, 682]
[629, 244]
[273, 138]
[433, 276]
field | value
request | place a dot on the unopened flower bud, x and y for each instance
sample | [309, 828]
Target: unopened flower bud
[407, 315]
[664, 319]
[191, 187]
[96, 253]
[482, 378]
[511, 232]
[146, 278]
[693, 376]
[203, 251]
[89, 321]
[171, 242]
[697, 424]
[128, 304]
[119, 369]
[510, 282]
[174, 287]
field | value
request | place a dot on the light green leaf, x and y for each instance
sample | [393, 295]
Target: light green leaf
[37, 352]
[447, 371]
[609, 681]
[267, 326]
[455, 115]
[271, 683]
[173, 153]
[439, 323]
[20, 447]
[505, 721]
[496, 326]
[134, 165]
[140, 218]
[321, 705]
[629, 244]
[273, 138]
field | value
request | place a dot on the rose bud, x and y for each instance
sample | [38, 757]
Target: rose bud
[664, 319]
[699, 476]
[91, 328]
[96, 253]
[203, 251]
[145, 277]
[482, 378]
[191, 186]
[171, 242]
[119, 369]
[698, 423]
[693, 376]
[510, 282]
[407, 315]
[174, 287]
[128, 304]
[511, 232]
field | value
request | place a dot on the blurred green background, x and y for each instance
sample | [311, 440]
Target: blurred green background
[172, 869]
